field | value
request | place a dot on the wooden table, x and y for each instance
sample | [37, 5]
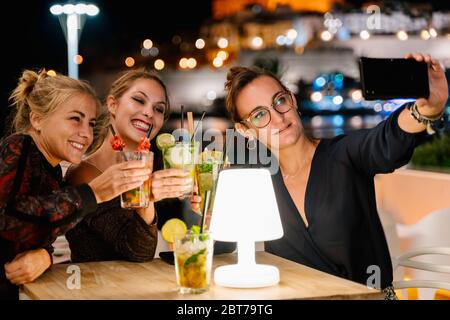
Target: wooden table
[156, 280]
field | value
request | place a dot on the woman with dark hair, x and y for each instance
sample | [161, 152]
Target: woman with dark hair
[325, 189]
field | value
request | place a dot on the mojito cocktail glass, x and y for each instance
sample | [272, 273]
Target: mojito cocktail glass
[193, 262]
[182, 155]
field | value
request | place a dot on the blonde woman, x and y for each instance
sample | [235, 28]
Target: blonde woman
[57, 120]
[137, 101]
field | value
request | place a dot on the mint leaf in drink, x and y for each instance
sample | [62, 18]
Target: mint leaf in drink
[195, 229]
[205, 167]
[193, 258]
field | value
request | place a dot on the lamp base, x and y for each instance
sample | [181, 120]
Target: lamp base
[246, 276]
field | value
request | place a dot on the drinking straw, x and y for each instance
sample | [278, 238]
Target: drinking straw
[112, 129]
[205, 209]
[182, 123]
[198, 123]
[190, 119]
[224, 155]
[149, 131]
[120, 150]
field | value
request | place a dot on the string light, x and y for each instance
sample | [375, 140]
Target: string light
[257, 42]
[51, 73]
[147, 44]
[191, 63]
[326, 35]
[78, 59]
[129, 62]
[159, 64]
[402, 35]
[183, 63]
[222, 54]
[364, 34]
[222, 43]
[200, 43]
[217, 62]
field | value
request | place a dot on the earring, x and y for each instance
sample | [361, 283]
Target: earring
[251, 146]
[299, 113]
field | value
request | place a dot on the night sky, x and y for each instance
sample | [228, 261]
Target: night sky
[33, 38]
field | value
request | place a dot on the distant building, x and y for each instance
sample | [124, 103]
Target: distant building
[224, 8]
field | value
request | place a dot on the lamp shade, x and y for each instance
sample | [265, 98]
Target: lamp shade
[245, 207]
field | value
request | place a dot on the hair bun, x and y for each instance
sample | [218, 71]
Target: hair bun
[27, 82]
[234, 71]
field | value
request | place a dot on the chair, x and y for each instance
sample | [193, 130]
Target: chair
[404, 260]
[416, 250]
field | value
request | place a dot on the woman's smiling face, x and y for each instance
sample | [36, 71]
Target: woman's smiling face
[142, 105]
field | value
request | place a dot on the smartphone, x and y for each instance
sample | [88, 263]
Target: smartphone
[167, 256]
[393, 78]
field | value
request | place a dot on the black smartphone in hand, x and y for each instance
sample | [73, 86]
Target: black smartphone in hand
[167, 256]
[393, 78]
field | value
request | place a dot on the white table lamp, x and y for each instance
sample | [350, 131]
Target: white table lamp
[245, 211]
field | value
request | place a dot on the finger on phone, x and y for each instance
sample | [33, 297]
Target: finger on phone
[418, 57]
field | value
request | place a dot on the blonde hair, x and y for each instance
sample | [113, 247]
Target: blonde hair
[126, 80]
[43, 94]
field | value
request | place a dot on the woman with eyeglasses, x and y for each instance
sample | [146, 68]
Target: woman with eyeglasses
[325, 188]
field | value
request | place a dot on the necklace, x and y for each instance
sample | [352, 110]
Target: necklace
[287, 176]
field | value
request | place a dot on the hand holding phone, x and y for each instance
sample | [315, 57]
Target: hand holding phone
[393, 78]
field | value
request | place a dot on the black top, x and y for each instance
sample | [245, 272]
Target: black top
[345, 236]
[113, 233]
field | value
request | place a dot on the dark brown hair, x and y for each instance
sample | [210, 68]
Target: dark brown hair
[237, 79]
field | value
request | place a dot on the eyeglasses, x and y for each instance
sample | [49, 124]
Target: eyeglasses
[261, 116]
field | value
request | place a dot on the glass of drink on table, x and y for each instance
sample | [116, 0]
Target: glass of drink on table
[193, 261]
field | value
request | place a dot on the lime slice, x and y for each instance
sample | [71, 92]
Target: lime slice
[180, 155]
[211, 156]
[165, 140]
[173, 229]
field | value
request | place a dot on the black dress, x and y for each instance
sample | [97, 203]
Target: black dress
[344, 236]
